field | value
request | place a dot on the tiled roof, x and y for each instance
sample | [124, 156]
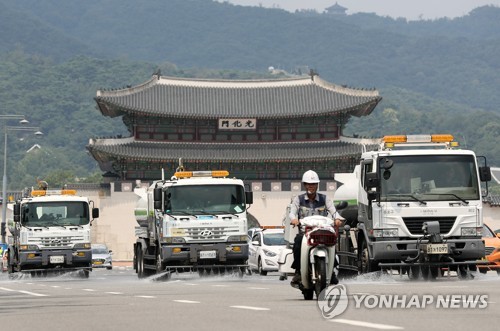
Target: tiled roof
[104, 150]
[197, 98]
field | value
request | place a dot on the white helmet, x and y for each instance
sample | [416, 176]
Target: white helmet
[310, 177]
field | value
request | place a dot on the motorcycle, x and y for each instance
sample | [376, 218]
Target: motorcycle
[317, 254]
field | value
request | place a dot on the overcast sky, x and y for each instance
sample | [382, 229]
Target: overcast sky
[410, 9]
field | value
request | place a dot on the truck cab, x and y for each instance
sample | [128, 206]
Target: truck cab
[51, 231]
[419, 202]
[195, 220]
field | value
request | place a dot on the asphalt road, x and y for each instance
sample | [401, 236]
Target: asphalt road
[117, 300]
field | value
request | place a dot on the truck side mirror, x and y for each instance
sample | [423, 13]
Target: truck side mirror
[485, 174]
[95, 213]
[371, 180]
[17, 212]
[157, 195]
[249, 197]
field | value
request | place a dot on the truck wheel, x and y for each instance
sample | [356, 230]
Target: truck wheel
[429, 273]
[321, 273]
[259, 266]
[365, 264]
[464, 272]
[414, 272]
[85, 273]
[140, 263]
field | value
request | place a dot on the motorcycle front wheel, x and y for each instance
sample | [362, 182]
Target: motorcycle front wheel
[320, 284]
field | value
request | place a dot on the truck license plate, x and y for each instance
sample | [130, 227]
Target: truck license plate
[57, 259]
[208, 254]
[437, 248]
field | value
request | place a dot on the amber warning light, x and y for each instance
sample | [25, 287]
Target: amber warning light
[422, 138]
[213, 173]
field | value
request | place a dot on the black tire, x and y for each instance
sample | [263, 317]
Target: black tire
[365, 265]
[498, 272]
[321, 273]
[414, 272]
[429, 273]
[140, 263]
[259, 268]
[464, 272]
[308, 294]
[85, 273]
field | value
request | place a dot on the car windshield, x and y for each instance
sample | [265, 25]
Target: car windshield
[206, 199]
[430, 178]
[274, 239]
[487, 233]
[99, 250]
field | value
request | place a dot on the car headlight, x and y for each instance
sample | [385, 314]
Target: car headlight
[269, 253]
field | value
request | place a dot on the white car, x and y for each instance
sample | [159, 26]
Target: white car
[264, 249]
[101, 256]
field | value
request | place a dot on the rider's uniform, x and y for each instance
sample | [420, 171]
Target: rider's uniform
[302, 207]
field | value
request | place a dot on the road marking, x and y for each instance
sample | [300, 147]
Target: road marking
[220, 285]
[186, 301]
[250, 308]
[368, 325]
[258, 288]
[24, 292]
[55, 286]
[88, 289]
[145, 296]
[191, 284]
[114, 292]
[34, 294]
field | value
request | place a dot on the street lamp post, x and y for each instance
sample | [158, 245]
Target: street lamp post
[22, 120]
[4, 184]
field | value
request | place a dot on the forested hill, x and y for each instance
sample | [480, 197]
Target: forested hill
[456, 59]
[434, 76]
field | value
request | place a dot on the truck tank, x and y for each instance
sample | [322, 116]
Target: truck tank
[348, 191]
[141, 207]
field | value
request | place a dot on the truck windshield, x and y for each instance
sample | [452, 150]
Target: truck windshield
[60, 213]
[430, 178]
[213, 199]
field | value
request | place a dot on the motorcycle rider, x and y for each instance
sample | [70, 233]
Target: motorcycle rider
[307, 204]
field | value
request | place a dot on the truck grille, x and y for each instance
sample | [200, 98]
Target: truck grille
[414, 224]
[212, 233]
[55, 242]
